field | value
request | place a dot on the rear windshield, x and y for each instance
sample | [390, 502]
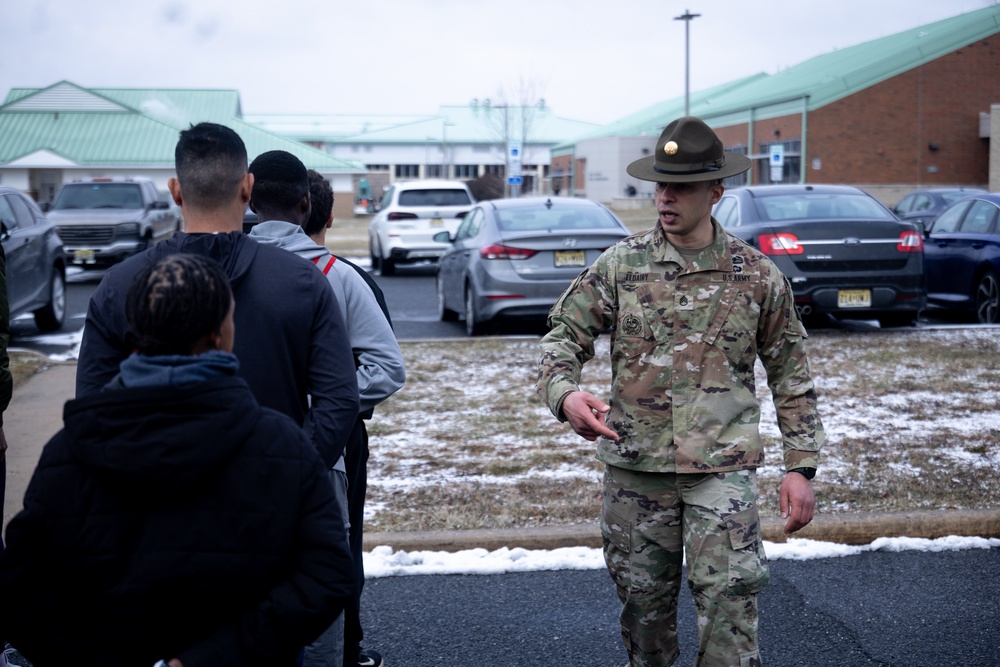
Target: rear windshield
[952, 197]
[533, 219]
[806, 206]
[99, 195]
[439, 197]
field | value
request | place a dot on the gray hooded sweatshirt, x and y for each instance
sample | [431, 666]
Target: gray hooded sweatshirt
[380, 368]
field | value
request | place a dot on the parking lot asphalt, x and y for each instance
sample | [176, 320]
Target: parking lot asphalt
[35, 415]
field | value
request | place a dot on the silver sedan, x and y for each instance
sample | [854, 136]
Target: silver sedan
[513, 258]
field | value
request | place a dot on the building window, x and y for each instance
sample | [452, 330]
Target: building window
[407, 171]
[789, 172]
[377, 167]
[435, 171]
[497, 169]
[466, 170]
[792, 146]
[739, 179]
[791, 169]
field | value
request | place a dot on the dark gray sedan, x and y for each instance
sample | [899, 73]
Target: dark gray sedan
[844, 253]
[36, 264]
[922, 207]
[513, 258]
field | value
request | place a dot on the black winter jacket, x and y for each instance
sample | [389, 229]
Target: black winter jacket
[290, 336]
[182, 522]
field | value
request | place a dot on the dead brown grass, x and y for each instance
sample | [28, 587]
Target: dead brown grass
[911, 417]
[25, 364]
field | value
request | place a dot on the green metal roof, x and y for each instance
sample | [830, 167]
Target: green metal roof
[827, 78]
[812, 84]
[650, 121]
[131, 127]
[323, 128]
[472, 124]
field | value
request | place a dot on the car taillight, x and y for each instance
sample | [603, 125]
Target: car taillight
[780, 244]
[910, 242]
[497, 251]
[395, 215]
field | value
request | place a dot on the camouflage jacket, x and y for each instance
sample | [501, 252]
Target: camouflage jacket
[685, 337]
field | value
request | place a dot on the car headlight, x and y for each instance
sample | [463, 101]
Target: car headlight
[127, 228]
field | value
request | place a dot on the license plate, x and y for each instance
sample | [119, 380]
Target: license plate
[570, 258]
[83, 255]
[437, 222]
[854, 298]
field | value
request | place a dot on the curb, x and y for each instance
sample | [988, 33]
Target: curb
[851, 529]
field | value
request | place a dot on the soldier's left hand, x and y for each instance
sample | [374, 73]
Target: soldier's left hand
[797, 501]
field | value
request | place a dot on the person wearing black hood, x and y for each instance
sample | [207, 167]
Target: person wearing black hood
[288, 347]
[174, 518]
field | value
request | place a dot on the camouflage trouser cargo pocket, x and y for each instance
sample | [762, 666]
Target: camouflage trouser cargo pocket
[748, 570]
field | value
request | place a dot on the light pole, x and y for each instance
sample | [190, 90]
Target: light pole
[444, 147]
[687, 17]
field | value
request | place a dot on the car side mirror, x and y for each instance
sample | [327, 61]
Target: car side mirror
[4, 232]
[45, 206]
[160, 204]
[443, 237]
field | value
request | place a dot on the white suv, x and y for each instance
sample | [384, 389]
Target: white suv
[411, 214]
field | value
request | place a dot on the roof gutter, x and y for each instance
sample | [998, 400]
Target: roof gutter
[803, 153]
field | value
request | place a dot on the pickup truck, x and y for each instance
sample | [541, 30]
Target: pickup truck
[102, 221]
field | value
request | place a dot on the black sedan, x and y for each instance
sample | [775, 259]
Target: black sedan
[962, 258]
[36, 264]
[513, 258]
[922, 207]
[845, 254]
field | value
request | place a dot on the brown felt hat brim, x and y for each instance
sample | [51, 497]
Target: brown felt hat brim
[646, 169]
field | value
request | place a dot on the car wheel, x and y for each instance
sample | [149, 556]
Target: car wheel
[988, 299]
[50, 317]
[374, 259]
[387, 267]
[444, 313]
[473, 326]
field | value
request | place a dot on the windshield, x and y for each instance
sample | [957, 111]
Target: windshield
[822, 206]
[99, 195]
[436, 197]
[542, 217]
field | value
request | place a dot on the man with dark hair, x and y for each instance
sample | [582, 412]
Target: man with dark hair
[379, 361]
[691, 309]
[287, 348]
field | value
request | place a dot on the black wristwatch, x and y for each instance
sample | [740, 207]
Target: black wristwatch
[808, 473]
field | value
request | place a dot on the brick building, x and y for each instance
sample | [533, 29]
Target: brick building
[909, 110]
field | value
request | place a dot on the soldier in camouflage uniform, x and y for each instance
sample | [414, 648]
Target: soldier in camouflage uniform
[690, 308]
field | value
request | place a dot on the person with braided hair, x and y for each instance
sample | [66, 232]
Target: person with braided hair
[174, 518]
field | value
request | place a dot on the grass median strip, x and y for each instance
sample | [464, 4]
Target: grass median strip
[912, 420]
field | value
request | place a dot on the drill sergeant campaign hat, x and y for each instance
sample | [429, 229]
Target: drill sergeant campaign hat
[686, 152]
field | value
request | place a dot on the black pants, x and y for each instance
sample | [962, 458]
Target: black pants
[356, 461]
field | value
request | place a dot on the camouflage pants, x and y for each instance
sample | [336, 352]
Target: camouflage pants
[649, 521]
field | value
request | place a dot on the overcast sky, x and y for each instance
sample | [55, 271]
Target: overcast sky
[590, 60]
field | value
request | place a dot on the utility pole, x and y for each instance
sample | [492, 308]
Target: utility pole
[687, 17]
